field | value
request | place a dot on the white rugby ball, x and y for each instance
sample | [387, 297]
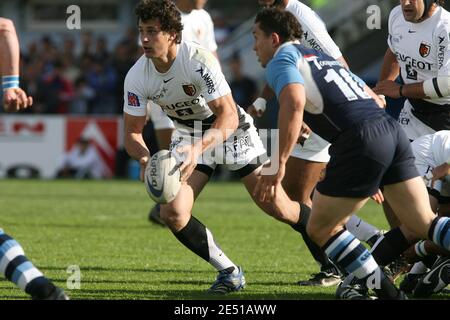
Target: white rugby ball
[162, 177]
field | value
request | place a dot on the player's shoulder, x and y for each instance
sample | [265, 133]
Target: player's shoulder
[443, 19]
[195, 53]
[441, 137]
[443, 13]
[396, 15]
[305, 14]
[138, 70]
[297, 8]
[289, 53]
[202, 13]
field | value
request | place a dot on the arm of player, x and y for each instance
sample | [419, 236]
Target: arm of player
[14, 98]
[259, 105]
[440, 172]
[290, 118]
[389, 72]
[342, 60]
[134, 142]
[390, 68]
[430, 88]
[226, 123]
[379, 99]
[292, 101]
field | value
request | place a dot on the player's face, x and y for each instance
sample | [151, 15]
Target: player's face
[412, 9]
[155, 42]
[264, 46]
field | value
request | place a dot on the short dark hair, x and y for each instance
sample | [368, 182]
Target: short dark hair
[165, 11]
[278, 4]
[281, 22]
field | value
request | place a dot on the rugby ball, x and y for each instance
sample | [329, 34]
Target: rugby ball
[162, 177]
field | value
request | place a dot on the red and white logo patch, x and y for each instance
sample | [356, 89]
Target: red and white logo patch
[189, 89]
[424, 50]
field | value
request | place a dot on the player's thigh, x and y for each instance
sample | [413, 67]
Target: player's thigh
[178, 212]
[301, 178]
[164, 137]
[250, 182]
[410, 202]
[282, 208]
[390, 215]
[329, 214]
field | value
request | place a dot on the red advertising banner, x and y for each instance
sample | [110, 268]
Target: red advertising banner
[102, 133]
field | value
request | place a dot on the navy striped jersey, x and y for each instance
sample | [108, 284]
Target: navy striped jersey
[335, 98]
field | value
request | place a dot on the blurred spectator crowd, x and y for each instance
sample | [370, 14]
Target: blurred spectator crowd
[85, 75]
[64, 79]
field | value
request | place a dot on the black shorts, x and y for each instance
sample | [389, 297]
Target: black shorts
[369, 155]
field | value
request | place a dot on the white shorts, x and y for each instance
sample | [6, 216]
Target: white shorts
[413, 127]
[159, 118]
[243, 152]
[314, 149]
[425, 163]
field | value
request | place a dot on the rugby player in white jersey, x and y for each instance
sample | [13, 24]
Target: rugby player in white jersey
[432, 153]
[186, 81]
[310, 156]
[197, 27]
[418, 50]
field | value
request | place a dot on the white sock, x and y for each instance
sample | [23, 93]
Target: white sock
[362, 230]
[418, 268]
[217, 258]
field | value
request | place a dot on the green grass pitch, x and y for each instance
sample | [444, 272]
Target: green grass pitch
[102, 227]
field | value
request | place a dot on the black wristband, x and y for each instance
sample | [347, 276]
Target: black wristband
[400, 91]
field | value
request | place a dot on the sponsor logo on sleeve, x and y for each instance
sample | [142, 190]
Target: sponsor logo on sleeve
[133, 100]
[208, 81]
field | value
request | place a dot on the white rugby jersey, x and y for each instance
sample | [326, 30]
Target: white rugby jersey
[422, 49]
[193, 80]
[198, 27]
[433, 148]
[315, 32]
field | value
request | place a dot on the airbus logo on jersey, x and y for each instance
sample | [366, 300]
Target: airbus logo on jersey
[411, 73]
[441, 56]
[424, 49]
[422, 65]
[209, 82]
[311, 43]
[441, 50]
